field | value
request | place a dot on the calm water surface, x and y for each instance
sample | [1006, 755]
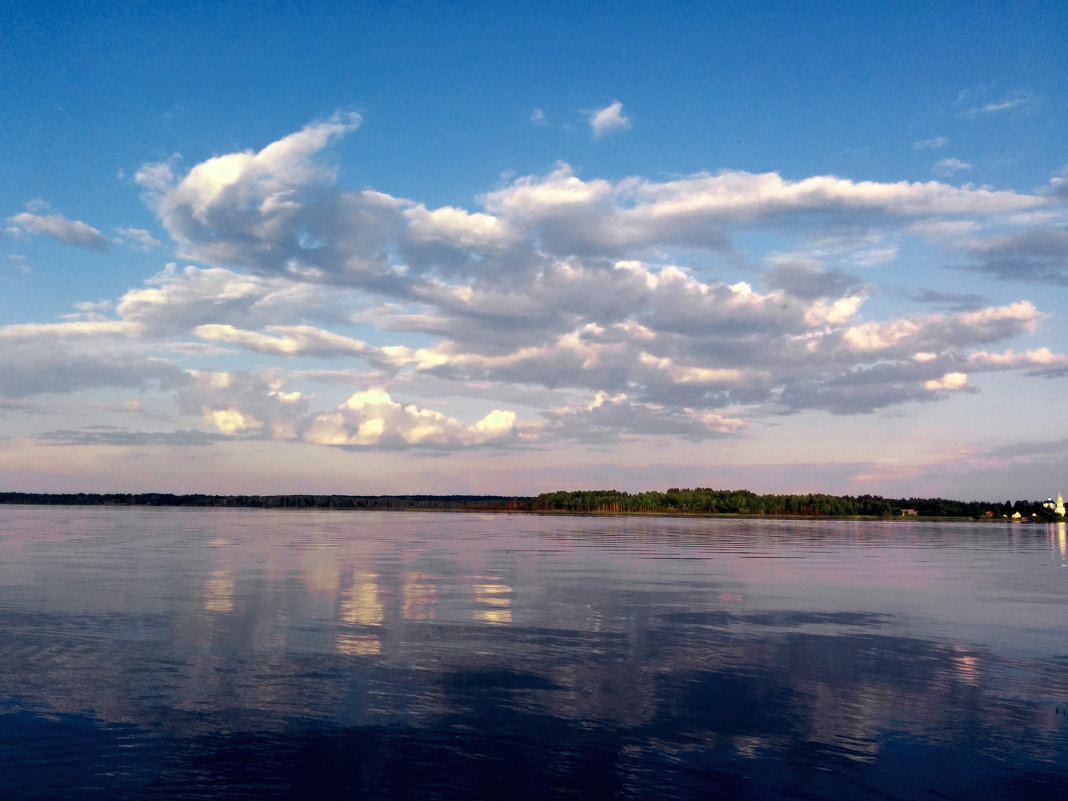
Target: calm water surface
[211, 653]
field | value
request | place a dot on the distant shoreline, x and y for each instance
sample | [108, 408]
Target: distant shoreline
[287, 501]
[739, 504]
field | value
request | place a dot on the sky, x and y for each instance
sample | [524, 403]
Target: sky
[384, 248]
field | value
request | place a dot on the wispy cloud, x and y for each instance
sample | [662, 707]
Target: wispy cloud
[58, 227]
[930, 144]
[947, 168]
[19, 263]
[32, 365]
[1058, 185]
[124, 438]
[139, 238]
[1038, 254]
[1014, 101]
[606, 418]
[537, 116]
[958, 301]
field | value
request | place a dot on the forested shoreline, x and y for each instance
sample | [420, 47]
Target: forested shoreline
[674, 501]
[290, 501]
[743, 502]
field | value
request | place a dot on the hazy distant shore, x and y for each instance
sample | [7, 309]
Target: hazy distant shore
[672, 503]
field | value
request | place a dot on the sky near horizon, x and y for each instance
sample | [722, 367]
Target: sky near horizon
[374, 248]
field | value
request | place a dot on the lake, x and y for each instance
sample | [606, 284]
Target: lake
[242, 653]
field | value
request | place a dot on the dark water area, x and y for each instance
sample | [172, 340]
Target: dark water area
[236, 653]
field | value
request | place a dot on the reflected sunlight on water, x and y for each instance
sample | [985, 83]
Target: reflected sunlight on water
[219, 591]
[497, 597]
[1058, 539]
[360, 603]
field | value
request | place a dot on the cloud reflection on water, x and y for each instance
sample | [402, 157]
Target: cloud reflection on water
[674, 643]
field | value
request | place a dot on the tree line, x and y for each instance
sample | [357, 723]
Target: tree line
[701, 500]
[472, 502]
[697, 501]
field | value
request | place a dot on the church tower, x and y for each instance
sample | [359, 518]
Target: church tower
[1059, 509]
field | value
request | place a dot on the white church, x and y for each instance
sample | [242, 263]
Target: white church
[1057, 506]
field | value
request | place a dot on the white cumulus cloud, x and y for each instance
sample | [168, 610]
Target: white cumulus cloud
[372, 418]
[948, 381]
[608, 119]
[642, 294]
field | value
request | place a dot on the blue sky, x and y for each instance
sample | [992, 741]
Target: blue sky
[433, 247]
